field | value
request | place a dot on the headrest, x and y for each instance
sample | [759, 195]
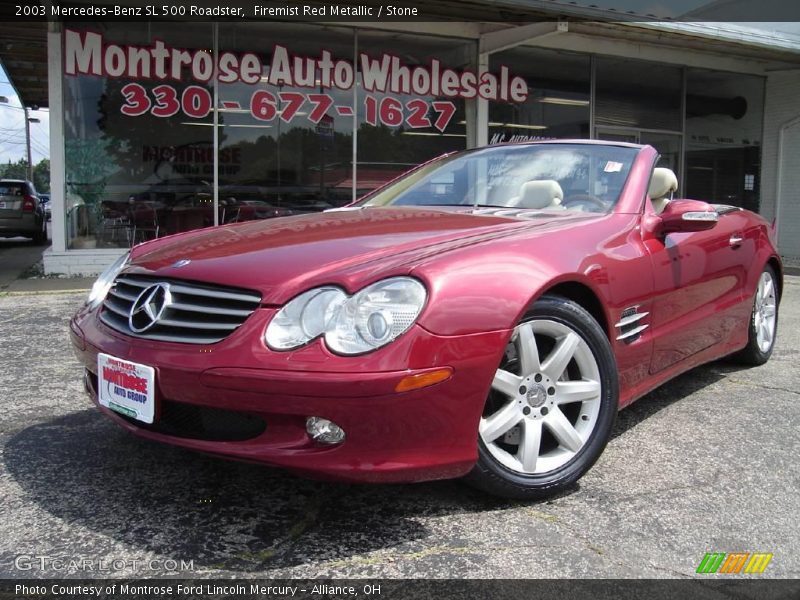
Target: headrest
[662, 183]
[539, 194]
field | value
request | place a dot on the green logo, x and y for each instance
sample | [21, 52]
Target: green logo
[735, 562]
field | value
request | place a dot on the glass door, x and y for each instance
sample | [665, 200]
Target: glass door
[668, 146]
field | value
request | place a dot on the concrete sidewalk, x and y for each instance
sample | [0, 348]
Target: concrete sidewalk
[21, 271]
[17, 256]
[47, 285]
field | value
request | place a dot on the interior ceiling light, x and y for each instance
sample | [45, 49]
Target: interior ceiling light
[226, 125]
[430, 133]
[517, 126]
[491, 123]
[563, 101]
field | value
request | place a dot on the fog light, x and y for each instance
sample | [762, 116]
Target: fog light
[324, 431]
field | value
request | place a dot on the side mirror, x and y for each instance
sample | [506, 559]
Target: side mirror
[687, 215]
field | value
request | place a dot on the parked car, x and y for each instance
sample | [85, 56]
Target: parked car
[485, 316]
[45, 201]
[21, 212]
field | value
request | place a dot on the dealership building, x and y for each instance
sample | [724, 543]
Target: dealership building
[161, 127]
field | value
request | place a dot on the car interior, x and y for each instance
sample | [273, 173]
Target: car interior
[576, 177]
[663, 184]
[541, 194]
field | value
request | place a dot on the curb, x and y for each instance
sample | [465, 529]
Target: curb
[791, 270]
[43, 292]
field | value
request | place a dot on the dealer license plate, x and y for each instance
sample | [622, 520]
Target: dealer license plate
[126, 387]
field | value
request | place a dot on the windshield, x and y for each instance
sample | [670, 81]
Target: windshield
[584, 177]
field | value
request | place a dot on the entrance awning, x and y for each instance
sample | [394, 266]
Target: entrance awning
[23, 52]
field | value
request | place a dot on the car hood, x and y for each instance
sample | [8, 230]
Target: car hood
[348, 247]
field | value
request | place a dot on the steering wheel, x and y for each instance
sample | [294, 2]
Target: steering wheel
[585, 199]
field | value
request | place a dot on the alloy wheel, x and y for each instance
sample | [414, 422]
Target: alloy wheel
[764, 311]
[545, 399]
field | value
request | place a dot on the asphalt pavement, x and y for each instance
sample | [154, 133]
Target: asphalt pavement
[706, 463]
[21, 269]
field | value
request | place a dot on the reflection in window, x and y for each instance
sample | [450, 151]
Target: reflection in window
[558, 101]
[724, 113]
[638, 94]
[291, 145]
[583, 177]
[398, 131]
[126, 172]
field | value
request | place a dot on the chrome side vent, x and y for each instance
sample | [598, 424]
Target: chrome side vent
[630, 325]
[185, 312]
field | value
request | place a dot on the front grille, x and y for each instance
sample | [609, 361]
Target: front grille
[197, 314]
[196, 422]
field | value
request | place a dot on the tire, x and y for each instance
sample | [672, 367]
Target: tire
[528, 447]
[40, 237]
[762, 327]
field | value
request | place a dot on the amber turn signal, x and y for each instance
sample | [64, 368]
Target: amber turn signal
[421, 380]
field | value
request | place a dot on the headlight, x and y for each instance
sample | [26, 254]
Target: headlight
[351, 324]
[304, 318]
[376, 315]
[106, 280]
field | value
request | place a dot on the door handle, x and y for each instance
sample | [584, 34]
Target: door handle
[736, 240]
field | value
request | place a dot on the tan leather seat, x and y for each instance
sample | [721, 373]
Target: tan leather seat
[663, 184]
[544, 193]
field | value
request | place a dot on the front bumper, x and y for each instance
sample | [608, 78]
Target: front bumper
[428, 433]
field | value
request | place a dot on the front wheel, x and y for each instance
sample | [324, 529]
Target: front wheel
[552, 404]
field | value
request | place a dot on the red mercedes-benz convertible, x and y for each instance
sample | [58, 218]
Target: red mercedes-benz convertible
[485, 315]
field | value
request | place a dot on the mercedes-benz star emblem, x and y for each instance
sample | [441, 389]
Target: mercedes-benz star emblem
[149, 306]
[537, 396]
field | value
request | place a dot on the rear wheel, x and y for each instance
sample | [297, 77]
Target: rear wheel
[551, 406]
[40, 237]
[763, 324]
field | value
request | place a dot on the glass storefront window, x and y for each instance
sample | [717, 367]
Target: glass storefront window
[640, 102]
[724, 115]
[399, 128]
[155, 116]
[131, 151]
[559, 85]
[295, 101]
[638, 95]
[285, 143]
